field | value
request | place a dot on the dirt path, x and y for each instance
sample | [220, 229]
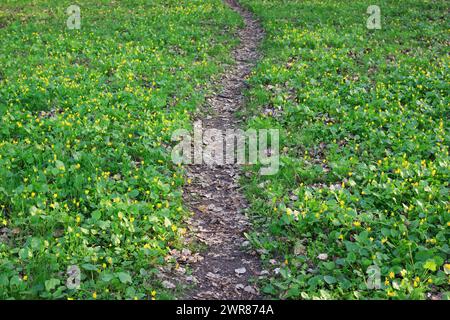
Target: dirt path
[214, 195]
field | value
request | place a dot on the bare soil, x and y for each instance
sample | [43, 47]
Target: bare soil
[228, 264]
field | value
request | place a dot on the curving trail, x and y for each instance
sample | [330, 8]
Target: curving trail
[214, 195]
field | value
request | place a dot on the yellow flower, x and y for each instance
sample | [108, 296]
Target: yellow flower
[25, 278]
[94, 295]
[357, 223]
[447, 268]
[391, 275]
[391, 293]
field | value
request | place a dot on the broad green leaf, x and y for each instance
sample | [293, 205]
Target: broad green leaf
[124, 277]
[51, 284]
[430, 265]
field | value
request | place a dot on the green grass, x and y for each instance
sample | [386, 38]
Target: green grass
[86, 118]
[365, 134]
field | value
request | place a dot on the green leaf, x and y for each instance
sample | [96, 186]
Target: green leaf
[23, 254]
[4, 281]
[60, 165]
[15, 281]
[88, 266]
[329, 265]
[329, 279]
[430, 265]
[51, 284]
[167, 222]
[130, 292]
[35, 243]
[106, 277]
[124, 277]
[134, 193]
[96, 215]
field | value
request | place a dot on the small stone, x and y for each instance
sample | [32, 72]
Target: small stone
[245, 243]
[240, 270]
[250, 289]
[186, 252]
[322, 256]
[168, 285]
[212, 275]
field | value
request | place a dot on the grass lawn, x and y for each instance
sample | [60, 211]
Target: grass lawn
[86, 117]
[365, 134]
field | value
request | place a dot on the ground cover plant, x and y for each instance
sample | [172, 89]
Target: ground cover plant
[86, 116]
[364, 172]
